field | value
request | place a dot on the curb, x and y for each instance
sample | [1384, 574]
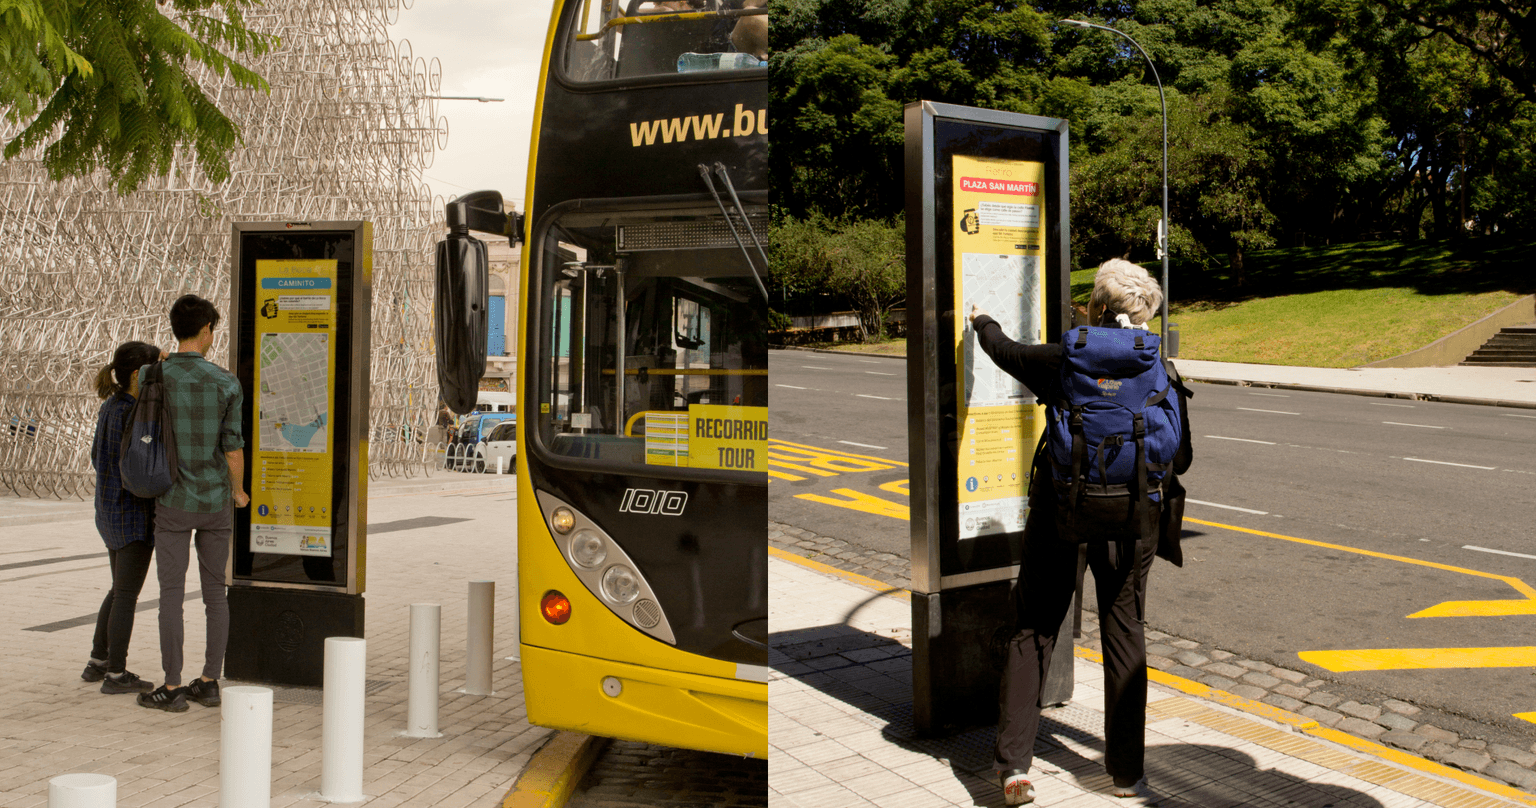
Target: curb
[1313, 388]
[1292, 721]
[554, 770]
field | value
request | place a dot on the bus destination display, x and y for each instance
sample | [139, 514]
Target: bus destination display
[295, 387]
[999, 259]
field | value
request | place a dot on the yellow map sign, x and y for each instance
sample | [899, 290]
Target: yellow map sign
[999, 265]
[295, 385]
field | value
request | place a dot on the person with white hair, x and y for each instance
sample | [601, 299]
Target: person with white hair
[1124, 296]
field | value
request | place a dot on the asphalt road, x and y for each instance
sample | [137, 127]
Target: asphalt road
[1374, 511]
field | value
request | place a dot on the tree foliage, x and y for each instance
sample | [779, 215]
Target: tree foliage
[113, 84]
[1290, 122]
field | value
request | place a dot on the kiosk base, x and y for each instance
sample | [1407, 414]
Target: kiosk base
[277, 636]
[959, 647]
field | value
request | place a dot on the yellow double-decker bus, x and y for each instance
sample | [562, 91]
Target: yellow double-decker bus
[642, 490]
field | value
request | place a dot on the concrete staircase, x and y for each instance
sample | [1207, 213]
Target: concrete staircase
[1513, 346]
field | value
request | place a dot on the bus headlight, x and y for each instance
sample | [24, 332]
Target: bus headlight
[620, 584]
[605, 569]
[588, 549]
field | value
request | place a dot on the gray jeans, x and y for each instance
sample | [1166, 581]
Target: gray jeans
[173, 540]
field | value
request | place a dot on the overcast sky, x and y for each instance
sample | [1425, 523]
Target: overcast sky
[489, 48]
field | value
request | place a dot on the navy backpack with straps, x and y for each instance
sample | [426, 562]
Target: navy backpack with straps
[1112, 439]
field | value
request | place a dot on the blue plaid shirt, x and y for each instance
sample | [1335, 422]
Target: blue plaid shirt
[121, 517]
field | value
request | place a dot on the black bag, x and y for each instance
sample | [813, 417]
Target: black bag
[1171, 521]
[148, 459]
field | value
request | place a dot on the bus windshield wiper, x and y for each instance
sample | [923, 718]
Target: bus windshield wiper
[736, 202]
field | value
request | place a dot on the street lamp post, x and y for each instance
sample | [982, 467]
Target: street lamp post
[1162, 230]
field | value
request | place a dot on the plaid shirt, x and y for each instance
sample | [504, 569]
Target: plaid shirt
[205, 402]
[121, 517]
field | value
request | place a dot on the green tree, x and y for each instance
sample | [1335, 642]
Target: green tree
[867, 264]
[105, 83]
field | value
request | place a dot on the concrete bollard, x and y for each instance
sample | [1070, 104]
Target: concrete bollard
[500, 461]
[482, 625]
[424, 675]
[341, 723]
[82, 790]
[245, 747]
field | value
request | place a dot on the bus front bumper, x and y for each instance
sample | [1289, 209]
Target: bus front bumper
[710, 713]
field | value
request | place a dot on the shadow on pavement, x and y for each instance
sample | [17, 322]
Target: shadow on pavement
[873, 674]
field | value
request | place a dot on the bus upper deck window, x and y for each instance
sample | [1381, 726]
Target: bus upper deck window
[619, 39]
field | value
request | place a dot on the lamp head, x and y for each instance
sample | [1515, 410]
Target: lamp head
[1076, 23]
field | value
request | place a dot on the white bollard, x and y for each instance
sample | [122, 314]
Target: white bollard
[245, 747]
[424, 674]
[341, 723]
[82, 790]
[500, 460]
[482, 625]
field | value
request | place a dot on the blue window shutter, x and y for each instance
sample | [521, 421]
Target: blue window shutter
[496, 337]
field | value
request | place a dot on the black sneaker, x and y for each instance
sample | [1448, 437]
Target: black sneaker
[169, 699]
[93, 672]
[127, 682]
[204, 693]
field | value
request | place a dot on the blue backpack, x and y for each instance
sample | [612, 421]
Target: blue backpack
[1112, 438]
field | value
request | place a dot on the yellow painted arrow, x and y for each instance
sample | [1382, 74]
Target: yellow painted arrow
[1396, 659]
[1451, 608]
[1381, 659]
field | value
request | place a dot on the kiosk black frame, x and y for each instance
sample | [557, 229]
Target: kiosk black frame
[282, 607]
[962, 614]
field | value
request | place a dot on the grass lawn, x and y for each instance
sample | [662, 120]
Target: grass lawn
[1342, 306]
[888, 347]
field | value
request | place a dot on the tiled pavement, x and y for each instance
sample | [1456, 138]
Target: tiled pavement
[840, 731]
[52, 723]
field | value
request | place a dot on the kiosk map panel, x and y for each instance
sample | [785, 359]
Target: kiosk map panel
[295, 387]
[999, 256]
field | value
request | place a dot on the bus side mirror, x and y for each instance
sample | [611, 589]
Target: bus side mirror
[463, 310]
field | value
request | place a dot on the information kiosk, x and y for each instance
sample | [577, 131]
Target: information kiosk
[300, 341]
[987, 223]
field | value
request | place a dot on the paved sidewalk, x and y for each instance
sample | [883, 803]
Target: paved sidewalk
[840, 730]
[52, 723]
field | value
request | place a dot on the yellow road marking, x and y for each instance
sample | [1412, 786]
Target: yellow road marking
[780, 475]
[897, 487]
[1379, 659]
[819, 450]
[1391, 659]
[1453, 608]
[859, 501]
[806, 469]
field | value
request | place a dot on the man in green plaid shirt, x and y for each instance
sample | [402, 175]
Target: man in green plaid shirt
[206, 405]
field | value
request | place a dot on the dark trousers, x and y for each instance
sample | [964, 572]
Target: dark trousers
[114, 623]
[1047, 578]
[173, 551]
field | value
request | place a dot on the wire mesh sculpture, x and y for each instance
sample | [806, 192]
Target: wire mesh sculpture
[345, 134]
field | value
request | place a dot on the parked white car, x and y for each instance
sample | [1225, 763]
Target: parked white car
[500, 446]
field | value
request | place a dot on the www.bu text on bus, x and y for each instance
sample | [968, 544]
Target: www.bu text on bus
[745, 123]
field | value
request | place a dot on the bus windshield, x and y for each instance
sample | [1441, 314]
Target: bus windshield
[666, 303]
[621, 39]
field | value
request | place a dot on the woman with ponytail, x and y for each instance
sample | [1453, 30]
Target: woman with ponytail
[126, 523]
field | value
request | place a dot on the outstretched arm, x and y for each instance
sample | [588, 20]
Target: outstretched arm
[1037, 366]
